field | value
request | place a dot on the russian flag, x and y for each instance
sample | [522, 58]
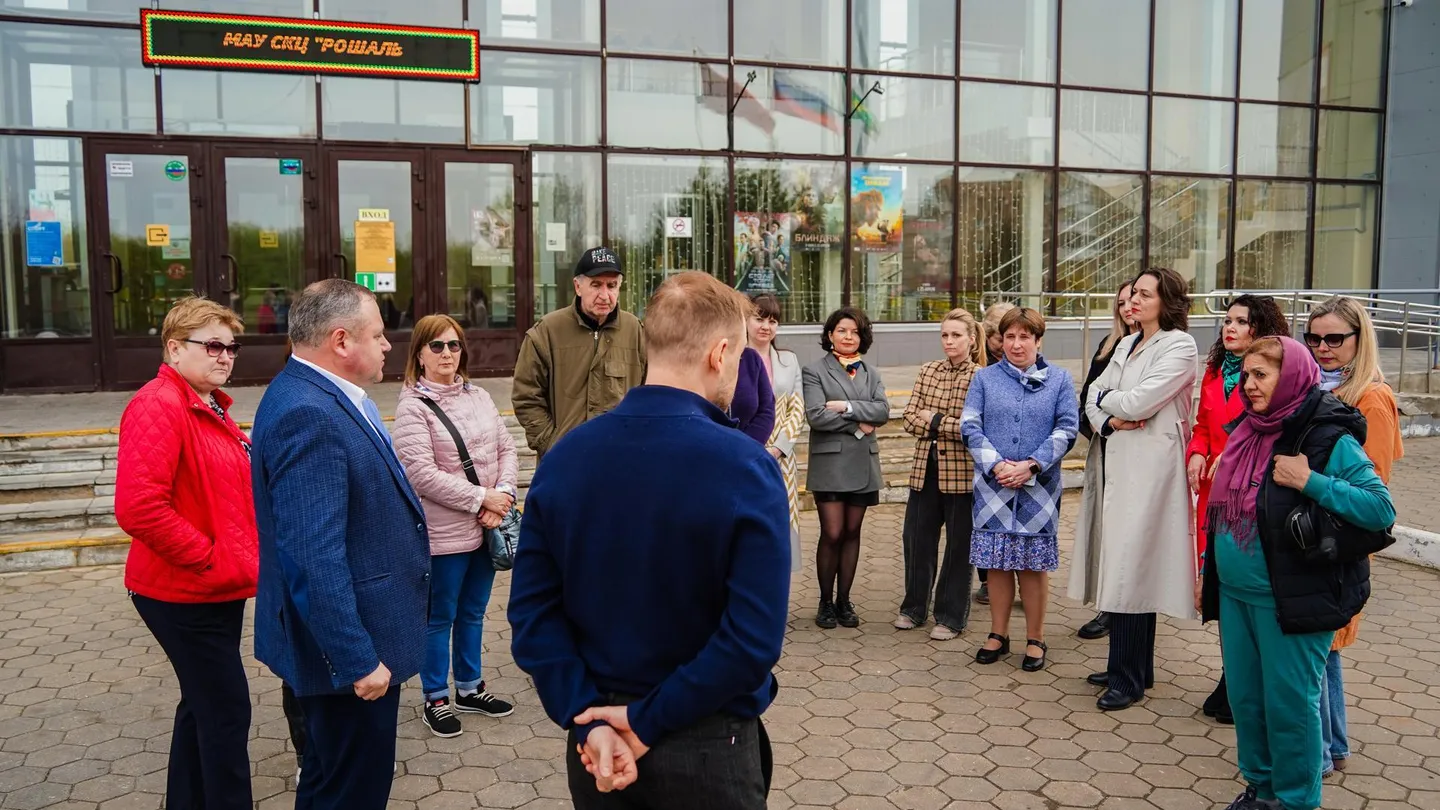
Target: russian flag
[795, 99]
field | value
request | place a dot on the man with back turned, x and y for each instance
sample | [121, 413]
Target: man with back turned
[650, 625]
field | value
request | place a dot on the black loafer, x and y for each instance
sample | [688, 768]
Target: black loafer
[1031, 663]
[984, 656]
[1098, 627]
[1114, 701]
[1098, 679]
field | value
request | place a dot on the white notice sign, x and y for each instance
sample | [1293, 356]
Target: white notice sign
[122, 168]
[374, 215]
[385, 282]
[678, 228]
[555, 237]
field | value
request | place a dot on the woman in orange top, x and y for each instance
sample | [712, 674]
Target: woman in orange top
[1342, 338]
[1249, 318]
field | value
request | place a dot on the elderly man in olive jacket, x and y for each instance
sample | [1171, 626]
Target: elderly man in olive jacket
[578, 362]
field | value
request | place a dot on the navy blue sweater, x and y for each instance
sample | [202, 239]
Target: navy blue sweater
[654, 561]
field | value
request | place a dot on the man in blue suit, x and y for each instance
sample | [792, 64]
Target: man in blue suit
[344, 557]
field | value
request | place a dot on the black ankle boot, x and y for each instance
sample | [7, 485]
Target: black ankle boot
[825, 617]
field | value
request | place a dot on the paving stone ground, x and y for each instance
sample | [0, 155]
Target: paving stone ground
[866, 718]
[1415, 485]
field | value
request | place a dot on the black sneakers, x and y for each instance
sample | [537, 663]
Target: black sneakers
[483, 702]
[439, 718]
[846, 615]
[1250, 800]
[825, 616]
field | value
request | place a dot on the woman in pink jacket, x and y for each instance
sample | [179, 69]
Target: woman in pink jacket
[459, 509]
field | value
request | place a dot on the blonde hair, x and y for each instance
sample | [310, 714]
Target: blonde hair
[1118, 329]
[977, 338]
[688, 312]
[192, 313]
[427, 329]
[1365, 368]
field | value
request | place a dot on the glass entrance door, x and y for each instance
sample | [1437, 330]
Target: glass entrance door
[150, 254]
[486, 263]
[376, 195]
[265, 248]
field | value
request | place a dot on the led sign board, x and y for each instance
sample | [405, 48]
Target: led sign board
[183, 39]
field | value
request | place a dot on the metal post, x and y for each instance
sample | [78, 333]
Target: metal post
[1404, 344]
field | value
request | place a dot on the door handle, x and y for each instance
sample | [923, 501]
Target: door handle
[117, 272]
[344, 266]
[234, 273]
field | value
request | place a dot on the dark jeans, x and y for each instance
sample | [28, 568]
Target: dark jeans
[927, 511]
[209, 748]
[720, 763]
[350, 755]
[1132, 653]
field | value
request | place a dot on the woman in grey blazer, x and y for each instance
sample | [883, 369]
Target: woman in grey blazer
[844, 403]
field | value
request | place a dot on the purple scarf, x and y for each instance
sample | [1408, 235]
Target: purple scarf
[1247, 454]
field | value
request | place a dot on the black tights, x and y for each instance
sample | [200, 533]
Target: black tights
[839, 548]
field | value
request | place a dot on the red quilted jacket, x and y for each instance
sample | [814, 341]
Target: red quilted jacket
[182, 493]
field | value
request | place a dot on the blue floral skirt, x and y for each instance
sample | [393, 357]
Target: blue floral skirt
[1004, 551]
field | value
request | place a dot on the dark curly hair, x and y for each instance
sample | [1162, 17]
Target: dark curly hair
[1174, 297]
[1266, 320]
[862, 322]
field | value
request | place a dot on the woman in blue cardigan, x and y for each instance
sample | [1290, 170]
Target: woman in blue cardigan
[1019, 421]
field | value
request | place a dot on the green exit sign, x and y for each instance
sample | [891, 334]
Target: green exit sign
[366, 280]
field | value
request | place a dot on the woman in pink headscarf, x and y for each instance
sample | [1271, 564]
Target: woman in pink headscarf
[1279, 603]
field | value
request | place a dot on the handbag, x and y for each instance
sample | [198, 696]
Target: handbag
[499, 542]
[1323, 538]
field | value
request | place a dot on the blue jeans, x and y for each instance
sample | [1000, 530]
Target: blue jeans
[1332, 713]
[459, 595]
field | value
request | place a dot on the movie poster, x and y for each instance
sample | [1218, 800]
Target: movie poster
[877, 209]
[763, 242]
[492, 238]
[818, 218]
[927, 257]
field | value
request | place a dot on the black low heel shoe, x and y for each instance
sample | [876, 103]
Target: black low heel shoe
[1030, 664]
[984, 656]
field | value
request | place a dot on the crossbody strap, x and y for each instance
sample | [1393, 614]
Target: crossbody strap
[466, 463]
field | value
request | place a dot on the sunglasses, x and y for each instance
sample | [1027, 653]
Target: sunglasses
[215, 347]
[438, 346]
[1333, 340]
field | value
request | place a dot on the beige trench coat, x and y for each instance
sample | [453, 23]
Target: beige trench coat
[1134, 545]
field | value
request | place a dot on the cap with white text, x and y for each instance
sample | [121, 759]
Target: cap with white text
[598, 262]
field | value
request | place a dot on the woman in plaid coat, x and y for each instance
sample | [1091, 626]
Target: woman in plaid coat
[940, 482]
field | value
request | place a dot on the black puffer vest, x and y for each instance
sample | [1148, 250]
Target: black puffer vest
[1309, 597]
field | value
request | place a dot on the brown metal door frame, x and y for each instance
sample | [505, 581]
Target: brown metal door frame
[519, 162]
[106, 271]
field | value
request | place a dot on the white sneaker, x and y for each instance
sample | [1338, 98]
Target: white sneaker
[903, 622]
[942, 633]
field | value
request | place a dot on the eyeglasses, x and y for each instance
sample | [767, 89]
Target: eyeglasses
[438, 346]
[215, 347]
[1333, 340]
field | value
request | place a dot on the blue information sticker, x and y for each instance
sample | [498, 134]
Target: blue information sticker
[290, 165]
[42, 244]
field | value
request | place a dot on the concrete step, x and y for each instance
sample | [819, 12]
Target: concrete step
[39, 487]
[44, 550]
[72, 514]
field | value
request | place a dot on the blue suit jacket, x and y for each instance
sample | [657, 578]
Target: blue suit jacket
[344, 556]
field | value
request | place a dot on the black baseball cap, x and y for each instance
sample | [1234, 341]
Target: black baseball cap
[598, 261]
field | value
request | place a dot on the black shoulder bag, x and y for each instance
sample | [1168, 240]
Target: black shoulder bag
[1324, 538]
[501, 542]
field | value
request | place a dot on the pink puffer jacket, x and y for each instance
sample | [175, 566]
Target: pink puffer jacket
[432, 462]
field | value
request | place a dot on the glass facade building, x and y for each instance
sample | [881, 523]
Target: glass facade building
[899, 155]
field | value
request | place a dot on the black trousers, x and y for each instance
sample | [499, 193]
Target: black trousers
[350, 752]
[720, 763]
[294, 718]
[927, 511]
[1132, 653]
[209, 748]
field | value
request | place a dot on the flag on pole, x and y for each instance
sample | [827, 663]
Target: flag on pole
[795, 99]
[715, 94]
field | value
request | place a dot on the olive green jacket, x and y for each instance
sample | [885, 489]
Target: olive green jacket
[569, 371]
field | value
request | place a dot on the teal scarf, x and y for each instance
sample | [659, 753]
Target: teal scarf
[1230, 370]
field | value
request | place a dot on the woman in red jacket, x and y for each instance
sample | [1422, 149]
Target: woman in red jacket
[1249, 318]
[182, 493]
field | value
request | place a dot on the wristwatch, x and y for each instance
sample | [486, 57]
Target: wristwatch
[1034, 468]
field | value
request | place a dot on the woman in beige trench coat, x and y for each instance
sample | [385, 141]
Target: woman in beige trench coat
[1134, 551]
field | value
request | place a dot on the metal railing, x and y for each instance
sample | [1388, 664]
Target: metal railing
[1394, 313]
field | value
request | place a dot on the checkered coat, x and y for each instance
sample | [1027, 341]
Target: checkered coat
[940, 388]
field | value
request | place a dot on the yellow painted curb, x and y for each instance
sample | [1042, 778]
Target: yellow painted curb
[60, 545]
